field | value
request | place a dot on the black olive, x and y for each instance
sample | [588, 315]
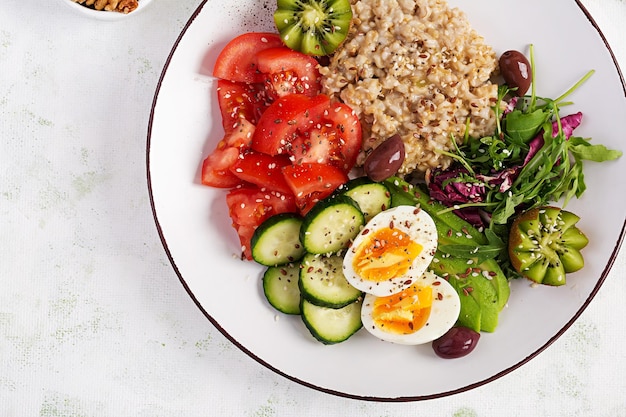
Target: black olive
[386, 159]
[457, 342]
[516, 71]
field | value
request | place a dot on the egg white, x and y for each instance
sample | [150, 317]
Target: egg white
[443, 314]
[421, 229]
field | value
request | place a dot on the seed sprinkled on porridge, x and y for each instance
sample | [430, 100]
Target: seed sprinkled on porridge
[414, 68]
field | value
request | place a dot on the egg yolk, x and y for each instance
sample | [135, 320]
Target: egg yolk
[405, 312]
[387, 253]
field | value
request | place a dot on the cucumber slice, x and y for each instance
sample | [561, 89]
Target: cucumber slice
[372, 197]
[322, 281]
[331, 224]
[331, 325]
[277, 240]
[280, 286]
[314, 27]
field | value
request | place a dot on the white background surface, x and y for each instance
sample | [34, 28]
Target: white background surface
[93, 320]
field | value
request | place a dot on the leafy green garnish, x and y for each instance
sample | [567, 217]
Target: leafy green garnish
[547, 166]
[524, 126]
[581, 149]
[492, 250]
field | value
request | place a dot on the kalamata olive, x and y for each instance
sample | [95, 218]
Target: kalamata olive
[516, 71]
[386, 159]
[457, 342]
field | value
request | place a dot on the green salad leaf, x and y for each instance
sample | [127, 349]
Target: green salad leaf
[523, 126]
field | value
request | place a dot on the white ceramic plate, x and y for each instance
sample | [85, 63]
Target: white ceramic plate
[195, 228]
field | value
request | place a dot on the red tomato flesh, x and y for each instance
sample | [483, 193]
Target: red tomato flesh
[216, 166]
[312, 182]
[240, 101]
[286, 146]
[310, 130]
[265, 171]
[278, 126]
[288, 72]
[249, 206]
[347, 127]
[237, 61]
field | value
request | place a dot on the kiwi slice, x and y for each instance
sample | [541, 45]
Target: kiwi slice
[314, 27]
[545, 244]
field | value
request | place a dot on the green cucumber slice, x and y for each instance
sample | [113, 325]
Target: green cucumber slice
[372, 197]
[277, 240]
[280, 286]
[323, 283]
[331, 325]
[331, 224]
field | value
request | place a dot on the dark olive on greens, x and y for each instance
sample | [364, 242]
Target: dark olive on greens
[386, 159]
[457, 342]
[516, 71]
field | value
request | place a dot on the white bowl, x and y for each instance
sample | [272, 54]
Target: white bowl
[193, 222]
[103, 14]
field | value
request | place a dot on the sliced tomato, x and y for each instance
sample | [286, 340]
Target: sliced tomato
[216, 166]
[312, 146]
[249, 206]
[282, 120]
[310, 130]
[348, 133]
[263, 170]
[288, 72]
[240, 136]
[245, 234]
[312, 182]
[240, 101]
[237, 61]
[329, 142]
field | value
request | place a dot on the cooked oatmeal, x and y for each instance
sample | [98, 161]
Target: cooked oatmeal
[416, 68]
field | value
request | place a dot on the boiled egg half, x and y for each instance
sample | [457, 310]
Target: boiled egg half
[418, 314]
[393, 248]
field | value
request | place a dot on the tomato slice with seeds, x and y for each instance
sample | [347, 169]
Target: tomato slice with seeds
[312, 182]
[249, 206]
[280, 123]
[216, 166]
[237, 61]
[240, 101]
[288, 72]
[310, 130]
[286, 146]
[336, 140]
[263, 170]
[348, 132]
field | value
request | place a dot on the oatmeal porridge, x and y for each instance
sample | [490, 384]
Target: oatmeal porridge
[418, 69]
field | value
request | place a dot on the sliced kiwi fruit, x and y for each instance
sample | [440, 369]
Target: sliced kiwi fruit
[545, 244]
[314, 27]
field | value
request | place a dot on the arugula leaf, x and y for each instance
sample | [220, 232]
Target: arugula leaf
[583, 150]
[506, 209]
[532, 159]
[523, 126]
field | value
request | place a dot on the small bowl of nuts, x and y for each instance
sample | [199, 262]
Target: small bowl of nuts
[108, 9]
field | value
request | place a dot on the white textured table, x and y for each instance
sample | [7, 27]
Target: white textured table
[93, 320]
